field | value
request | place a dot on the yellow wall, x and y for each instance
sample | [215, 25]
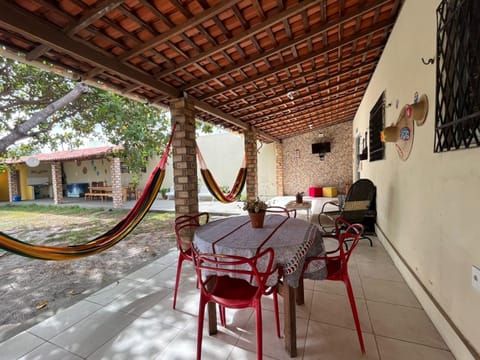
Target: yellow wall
[4, 196]
[428, 205]
[25, 190]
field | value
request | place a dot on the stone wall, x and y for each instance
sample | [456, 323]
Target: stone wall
[302, 169]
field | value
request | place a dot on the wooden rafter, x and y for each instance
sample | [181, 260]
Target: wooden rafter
[236, 59]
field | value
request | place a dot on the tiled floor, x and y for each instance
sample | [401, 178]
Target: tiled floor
[133, 319]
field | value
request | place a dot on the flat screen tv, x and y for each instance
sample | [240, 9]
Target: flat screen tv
[320, 148]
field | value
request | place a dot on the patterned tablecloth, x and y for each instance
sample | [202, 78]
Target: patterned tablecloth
[293, 240]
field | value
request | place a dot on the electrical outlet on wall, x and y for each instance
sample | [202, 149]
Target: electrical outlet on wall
[476, 277]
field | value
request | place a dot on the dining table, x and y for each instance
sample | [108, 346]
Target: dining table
[293, 241]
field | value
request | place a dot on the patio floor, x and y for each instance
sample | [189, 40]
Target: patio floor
[133, 319]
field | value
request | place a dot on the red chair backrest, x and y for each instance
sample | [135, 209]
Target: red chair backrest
[255, 270]
[185, 226]
[352, 233]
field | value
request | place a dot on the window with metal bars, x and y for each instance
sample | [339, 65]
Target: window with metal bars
[377, 122]
[457, 120]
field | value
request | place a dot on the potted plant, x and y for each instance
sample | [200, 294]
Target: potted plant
[299, 197]
[256, 210]
[163, 192]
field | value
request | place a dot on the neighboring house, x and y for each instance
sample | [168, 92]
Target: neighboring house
[223, 154]
[61, 174]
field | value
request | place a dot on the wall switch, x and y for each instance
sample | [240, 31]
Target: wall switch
[476, 277]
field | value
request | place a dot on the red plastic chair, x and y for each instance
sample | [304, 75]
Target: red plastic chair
[337, 263]
[220, 282]
[185, 226]
[274, 209]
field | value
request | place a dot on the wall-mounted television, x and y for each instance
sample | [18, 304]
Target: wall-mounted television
[320, 148]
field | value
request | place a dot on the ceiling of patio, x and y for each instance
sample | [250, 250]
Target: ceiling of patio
[283, 66]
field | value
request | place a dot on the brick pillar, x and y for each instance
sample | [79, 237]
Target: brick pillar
[13, 189]
[116, 183]
[184, 157]
[279, 167]
[250, 137]
[57, 185]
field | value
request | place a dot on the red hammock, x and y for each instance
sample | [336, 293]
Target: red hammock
[213, 187]
[102, 242]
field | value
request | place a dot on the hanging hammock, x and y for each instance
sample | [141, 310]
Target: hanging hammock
[213, 187]
[102, 242]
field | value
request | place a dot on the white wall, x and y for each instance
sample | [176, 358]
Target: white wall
[224, 153]
[428, 205]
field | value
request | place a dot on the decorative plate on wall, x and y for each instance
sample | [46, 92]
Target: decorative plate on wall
[405, 139]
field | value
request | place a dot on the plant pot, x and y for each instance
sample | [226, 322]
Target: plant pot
[299, 199]
[257, 219]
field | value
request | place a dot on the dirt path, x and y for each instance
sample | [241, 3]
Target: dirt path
[26, 284]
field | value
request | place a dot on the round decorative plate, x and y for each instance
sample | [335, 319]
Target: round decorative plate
[32, 162]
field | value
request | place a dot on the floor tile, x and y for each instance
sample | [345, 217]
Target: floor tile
[272, 345]
[88, 335]
[142, 339]
[114, 290]
[166, 277]
[392, 349]
[242, 354]
[404, 323]
[139, 300]
[392, 292]
[19, 345]
[329, 342]
[50, 352]
[335, 309]
[184, 346]
[383, 271]
[147, 271]
[64, 319]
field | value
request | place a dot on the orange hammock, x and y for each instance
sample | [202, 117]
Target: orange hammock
[213, 187]
[102, 242]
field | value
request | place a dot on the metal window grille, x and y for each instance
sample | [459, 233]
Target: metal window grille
[457, 120]
[377, 122]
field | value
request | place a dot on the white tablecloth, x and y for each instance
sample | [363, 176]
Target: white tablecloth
[293, 240]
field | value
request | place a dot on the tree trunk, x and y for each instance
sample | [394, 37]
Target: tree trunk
[22, 131]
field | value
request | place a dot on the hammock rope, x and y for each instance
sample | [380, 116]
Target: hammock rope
[101, 242]
[213, 187]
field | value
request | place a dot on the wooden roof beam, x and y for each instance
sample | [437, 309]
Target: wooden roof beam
[245, 35]
[301, 60]
[294, 42]
[12, 18]
[202, 106]
[87, 18]
[289, 80]
[192, 22]
[281, 111]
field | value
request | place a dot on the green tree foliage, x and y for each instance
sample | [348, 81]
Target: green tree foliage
[26, 92]
[142, 129]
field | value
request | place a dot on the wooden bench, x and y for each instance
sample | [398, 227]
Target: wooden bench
[92, 195]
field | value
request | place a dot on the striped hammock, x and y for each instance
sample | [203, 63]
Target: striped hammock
[213, 187]
[102, 242]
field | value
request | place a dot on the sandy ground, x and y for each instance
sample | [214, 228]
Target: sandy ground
[33, 290]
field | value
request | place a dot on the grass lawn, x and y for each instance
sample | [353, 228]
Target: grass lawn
[32, 290]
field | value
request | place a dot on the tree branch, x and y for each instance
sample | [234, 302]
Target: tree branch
[22, 130]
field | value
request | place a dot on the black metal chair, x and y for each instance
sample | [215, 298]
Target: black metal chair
[358, 207]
